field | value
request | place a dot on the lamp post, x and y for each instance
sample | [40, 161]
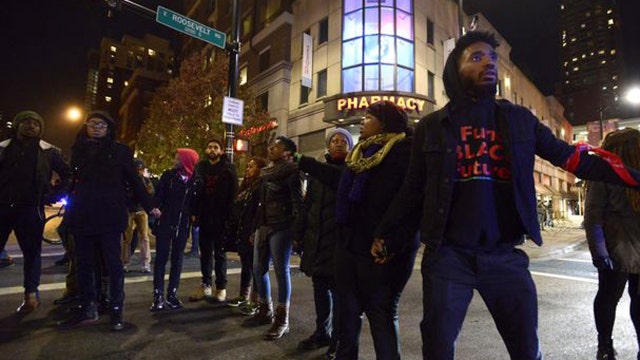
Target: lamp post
[73, 114]
[601, 111]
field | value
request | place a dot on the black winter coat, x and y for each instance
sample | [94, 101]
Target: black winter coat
[216, 187]
[98, 200]
[385, 181]
[173, 196]
[319, 227]
[281, 198]
[242, 223]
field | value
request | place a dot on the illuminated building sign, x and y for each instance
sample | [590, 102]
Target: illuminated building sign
[258, 129]
[349, 108]
[363, 102]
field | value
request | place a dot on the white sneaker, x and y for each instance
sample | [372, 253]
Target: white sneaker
[221, 295]
[207, 290]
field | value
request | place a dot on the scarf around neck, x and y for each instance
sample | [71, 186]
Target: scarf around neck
[365, 156]
[358, 161]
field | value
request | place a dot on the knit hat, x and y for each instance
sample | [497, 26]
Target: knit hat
[27, 114]
[111, 124]
[343, 132]
[395, 119]
[188, 158]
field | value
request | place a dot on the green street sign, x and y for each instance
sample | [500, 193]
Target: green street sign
[187, 26]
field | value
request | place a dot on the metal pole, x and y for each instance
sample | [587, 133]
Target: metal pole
[460, 19]
[601, 113]
[234, 54]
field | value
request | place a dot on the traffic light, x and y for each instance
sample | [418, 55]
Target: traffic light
[241, 145]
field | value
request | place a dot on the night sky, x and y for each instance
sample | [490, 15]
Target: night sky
[45, 45]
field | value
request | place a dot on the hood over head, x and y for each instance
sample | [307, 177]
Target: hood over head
[111, 124]
[188, 158]
[451, 77]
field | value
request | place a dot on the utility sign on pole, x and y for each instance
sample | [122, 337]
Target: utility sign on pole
[232, 111]
[190, 27]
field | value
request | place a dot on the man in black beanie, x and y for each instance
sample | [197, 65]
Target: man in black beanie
[26, 165]
[471, 177]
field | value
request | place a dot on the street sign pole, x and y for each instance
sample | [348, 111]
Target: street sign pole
[234, 54]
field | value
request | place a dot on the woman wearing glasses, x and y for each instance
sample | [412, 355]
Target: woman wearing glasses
[97, 213]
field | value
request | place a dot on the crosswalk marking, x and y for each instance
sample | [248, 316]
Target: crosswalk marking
[128, 280]
[565, 277]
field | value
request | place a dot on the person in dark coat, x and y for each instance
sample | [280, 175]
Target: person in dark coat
[278, 224]
[318, 246]
[173, 195]
[216, 182]
[26, 167]
[242, 228]
[97, 213]
[375, 170]
[612, 224]
[471, 177]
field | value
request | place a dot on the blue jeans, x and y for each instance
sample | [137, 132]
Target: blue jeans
[276, 246]
[449, 276]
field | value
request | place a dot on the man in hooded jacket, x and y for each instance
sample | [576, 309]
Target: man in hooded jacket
[97, 213]
[26, 165]
[471, 174]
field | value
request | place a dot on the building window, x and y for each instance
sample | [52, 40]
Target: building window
[430, 34]
[107, 98]
[113, 48]
[263, 100]
[377, 46]
[243, 75]
[264, 60]
[304, 94]
[321, 87]
[323, 32]
[246, 25]
[431, 91]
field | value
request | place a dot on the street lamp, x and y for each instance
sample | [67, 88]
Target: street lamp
[73, 114]
[631, 97]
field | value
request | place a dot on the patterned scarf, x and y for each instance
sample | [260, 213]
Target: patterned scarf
[366, 155]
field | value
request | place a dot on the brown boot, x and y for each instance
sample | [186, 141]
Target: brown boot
[280, 326]
[264, 316]
[30, 303]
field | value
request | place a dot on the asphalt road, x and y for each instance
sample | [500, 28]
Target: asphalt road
[566, 287]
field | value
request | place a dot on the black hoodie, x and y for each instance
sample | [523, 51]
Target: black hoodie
[482, 192]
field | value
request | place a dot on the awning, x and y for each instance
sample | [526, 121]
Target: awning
[542, 190]
[553, 191]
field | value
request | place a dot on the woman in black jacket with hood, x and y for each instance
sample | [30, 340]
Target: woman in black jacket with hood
[97, 212]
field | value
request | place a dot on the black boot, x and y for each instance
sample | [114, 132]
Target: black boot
[158, 300]
[264, 316]
[605, 350]
[86, 315]
[66, 298]
[280, 325]
[117, 322]
[173, 302]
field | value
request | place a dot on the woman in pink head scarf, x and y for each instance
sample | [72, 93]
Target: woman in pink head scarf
[173, 196]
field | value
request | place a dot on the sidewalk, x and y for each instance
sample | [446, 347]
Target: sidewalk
[566, 236]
